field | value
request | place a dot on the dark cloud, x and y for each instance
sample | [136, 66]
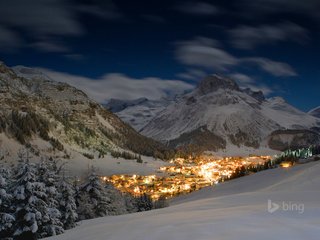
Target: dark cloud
[197, 8]
[42, 21]
[308, 8]
[42, 17]
[8, 39]
[248, 37]
[207, 53]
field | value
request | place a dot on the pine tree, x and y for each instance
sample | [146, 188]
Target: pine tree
[131, 203]
[47, 174]
[94, 200]
[29, 199]
[144, 203]
[6, 217]
[67, 204]
[116, 203]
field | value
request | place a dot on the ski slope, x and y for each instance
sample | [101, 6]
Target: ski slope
[235, 210]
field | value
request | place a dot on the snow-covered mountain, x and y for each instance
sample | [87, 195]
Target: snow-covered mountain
[315, 112]
[218, 114]
[138, 112]
[234, 210]
[51, 116]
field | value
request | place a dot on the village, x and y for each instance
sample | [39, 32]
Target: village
[185, 175]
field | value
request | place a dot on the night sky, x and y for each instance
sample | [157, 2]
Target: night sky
[129, 49]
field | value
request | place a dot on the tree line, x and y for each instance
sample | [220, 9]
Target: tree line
[37, 200]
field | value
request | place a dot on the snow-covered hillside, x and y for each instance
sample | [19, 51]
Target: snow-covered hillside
[138, 112]
[223, 114]
[55, 119]
[235, 210]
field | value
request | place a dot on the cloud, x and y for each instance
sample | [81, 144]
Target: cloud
[41, 21]
[241, 78]
[105, 9]
[197, 8]
[117, 85]
[246, 81]
[44, 17]
[248, 37]
[46, 46]
[206, 53]
[193, 74]
[278, 69]
[8, 39]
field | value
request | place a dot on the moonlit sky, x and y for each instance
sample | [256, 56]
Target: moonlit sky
[130, 49]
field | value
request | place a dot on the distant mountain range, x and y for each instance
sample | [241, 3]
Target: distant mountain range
[218, 114]
[52, 117]
[55, 118]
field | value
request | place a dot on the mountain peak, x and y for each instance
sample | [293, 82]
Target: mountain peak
[214, 82]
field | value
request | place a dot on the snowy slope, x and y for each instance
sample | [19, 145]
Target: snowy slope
[138, 112]
[238, 117]
[235, 210]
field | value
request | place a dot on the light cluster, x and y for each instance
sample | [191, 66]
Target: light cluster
[184, 175]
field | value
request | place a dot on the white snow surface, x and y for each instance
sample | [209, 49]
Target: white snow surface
[235, 210]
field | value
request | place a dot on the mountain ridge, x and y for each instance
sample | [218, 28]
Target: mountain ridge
[36, 108]
[239, 116]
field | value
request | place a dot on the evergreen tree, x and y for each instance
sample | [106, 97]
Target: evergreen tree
[94, 200]
[116, 201]
[6, 217]
[47, 174]
[144, 203]
[131, 203]
[29, 199]
[67, 204]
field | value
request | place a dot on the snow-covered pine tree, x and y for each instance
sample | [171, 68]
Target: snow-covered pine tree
[47, 174]
[131, 203]
[144, 203]
[29, 200]
[67, 204]
[6, 217]
[117, 203]
[94, 199]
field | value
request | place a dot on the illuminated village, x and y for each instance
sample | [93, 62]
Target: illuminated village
[184, 175]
